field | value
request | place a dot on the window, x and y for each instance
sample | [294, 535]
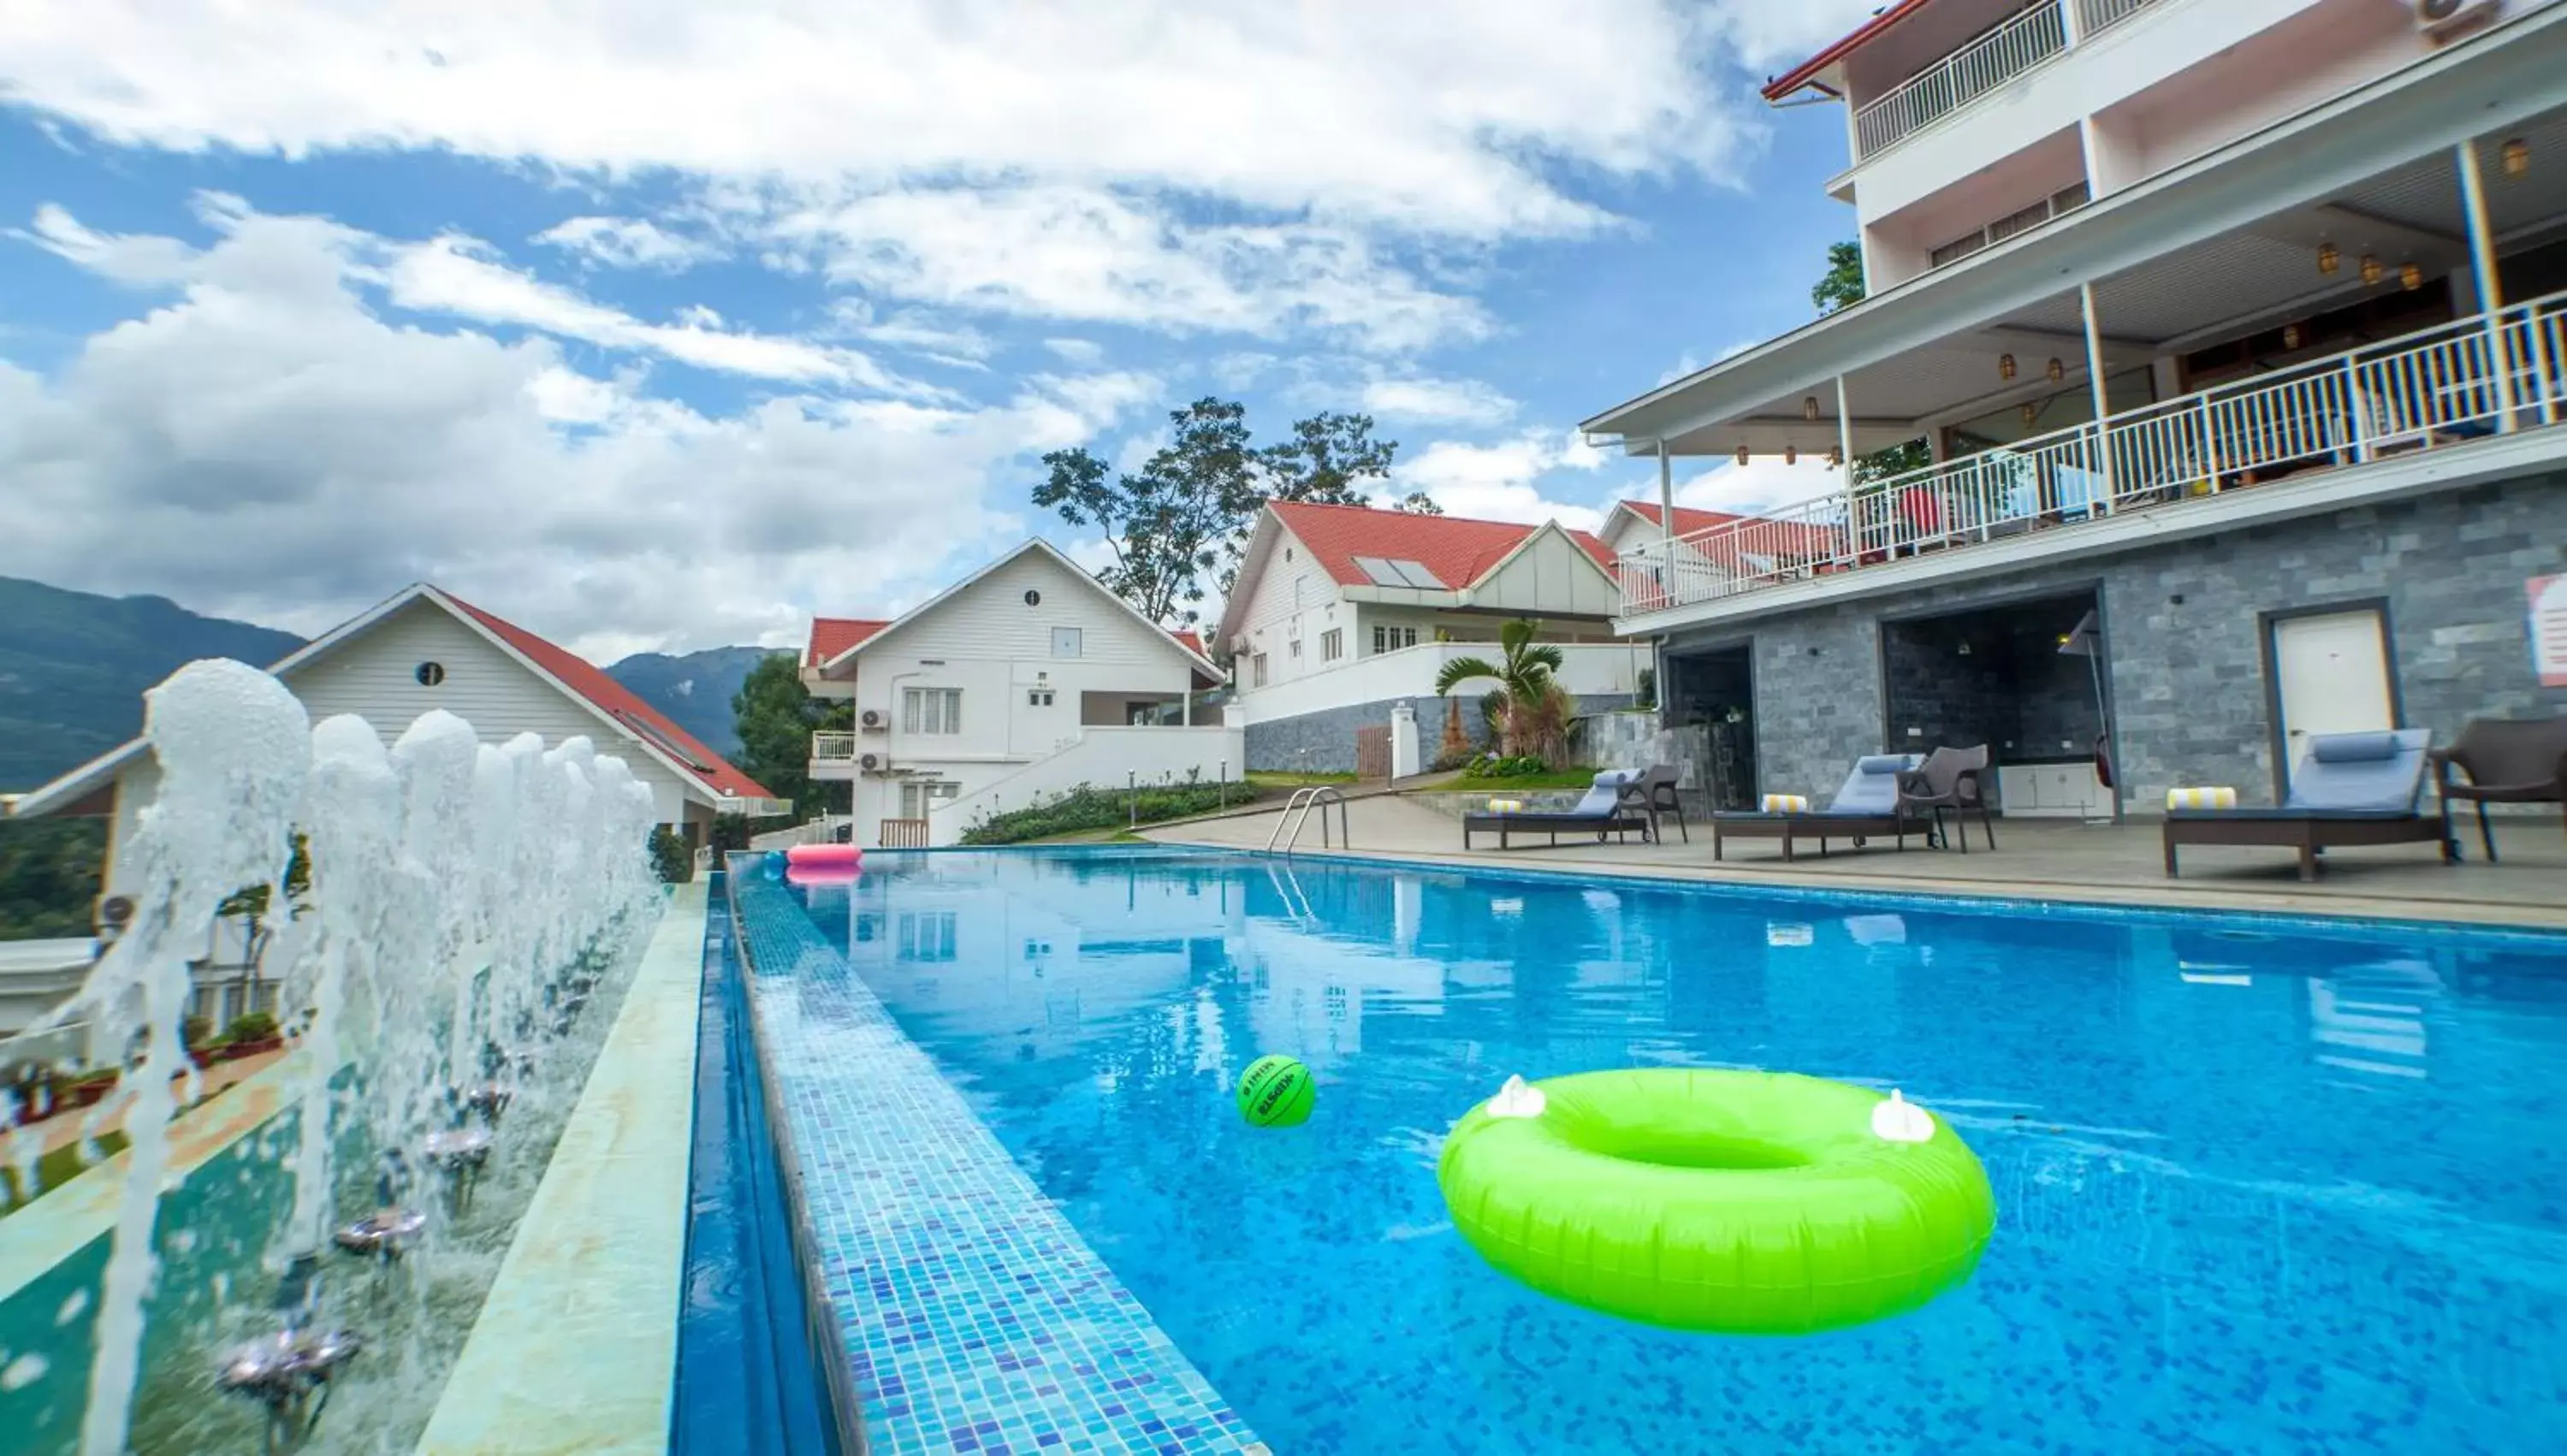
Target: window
[430, 674]
[927, 935]
[1392, 638]
[1064, 642]
[931, 710]
[1332, 644]
[919, 795]
[1038, 698]
[1295, 649]
[1257, 670]
[2066, 199]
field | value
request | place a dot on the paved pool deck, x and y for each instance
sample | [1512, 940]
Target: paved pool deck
[576, 1347]
[2040, 859]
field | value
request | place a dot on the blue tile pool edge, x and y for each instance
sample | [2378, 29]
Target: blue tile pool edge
[754, 1374]
[1099, 1405]
[2181, 917]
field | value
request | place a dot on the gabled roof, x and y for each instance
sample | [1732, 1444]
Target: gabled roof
[1184, 642]
[1810, 70]
[1458, 549]
[831, 636]
[637, 722]
[1754, 536]
[1690, 520]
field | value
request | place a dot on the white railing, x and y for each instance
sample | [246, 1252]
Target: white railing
[2094, 17]
[1962, 77]
[833, 747]
[1587, 669]
[2436, 388]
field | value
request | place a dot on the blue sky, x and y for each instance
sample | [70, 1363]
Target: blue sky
[671, 334]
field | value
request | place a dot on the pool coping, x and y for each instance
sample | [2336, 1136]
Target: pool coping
[598, 1263]
[980, 1273]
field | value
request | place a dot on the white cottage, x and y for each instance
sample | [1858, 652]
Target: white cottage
[1024, 679]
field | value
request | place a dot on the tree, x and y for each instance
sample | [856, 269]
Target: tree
[1178, 527]
[1528, 704]
[1418, 503]
[775, 716]
[1843, 287]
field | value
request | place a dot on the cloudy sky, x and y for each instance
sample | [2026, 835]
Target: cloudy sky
[668, 323]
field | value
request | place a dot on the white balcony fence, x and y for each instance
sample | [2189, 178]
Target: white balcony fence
[1962, 77]
[2094, 17]
[1587, 669]
[2437, 388]
[833, 747]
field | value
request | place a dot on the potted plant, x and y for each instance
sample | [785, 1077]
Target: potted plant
[251, 1033]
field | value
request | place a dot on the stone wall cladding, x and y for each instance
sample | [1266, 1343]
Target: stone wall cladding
[1325, 743]
[2187, 678]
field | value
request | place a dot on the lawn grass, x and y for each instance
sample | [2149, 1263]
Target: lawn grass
[1554, 778]
[1270, 778]
[55, 1169]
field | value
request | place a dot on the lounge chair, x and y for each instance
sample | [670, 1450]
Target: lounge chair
[1659, 799]
[1612, 805]
[2352, 790]
[1866, 806]
[1950, 779]
[2508, 761]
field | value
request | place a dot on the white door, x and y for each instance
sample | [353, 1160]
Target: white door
[2333, 676]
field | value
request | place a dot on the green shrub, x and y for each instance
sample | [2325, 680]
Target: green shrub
[1090, 807]
[1489, 766]
[252, 1026]
[671, 856]
[197, 1031]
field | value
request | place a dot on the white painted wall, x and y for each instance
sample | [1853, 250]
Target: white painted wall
[1587, 670]
[1106, 758]
[1550, 576]
[1293, 599]
[376, 676]
[996, 649]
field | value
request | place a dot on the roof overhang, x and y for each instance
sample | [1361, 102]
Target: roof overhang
[1805, 76]
[2497, 78]
[1204, 667]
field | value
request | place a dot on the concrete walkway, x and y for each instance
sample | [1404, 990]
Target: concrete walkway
[576, 1348]
[2044, 859]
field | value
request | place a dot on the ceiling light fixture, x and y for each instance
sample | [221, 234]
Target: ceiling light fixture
[2518, 157]
[2370, 269]
[1808, 407]
[2005, 366]
[2329, 259]
[2056, 370]
[1742, 454]
[2411, 277]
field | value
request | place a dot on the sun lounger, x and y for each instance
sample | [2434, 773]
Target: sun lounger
[2352, 790]
[1866, 806]
[1614, 805]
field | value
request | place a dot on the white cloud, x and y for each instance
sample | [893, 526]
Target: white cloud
[1082, 352]
[1764, 483]
[267, 445]
[1771, 39]
[1438, 401]
[628, 242]
[1512, 480]
[914, 332]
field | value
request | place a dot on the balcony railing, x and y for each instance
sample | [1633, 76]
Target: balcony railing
[2032, 37]
[2437, 388]
[833, 747]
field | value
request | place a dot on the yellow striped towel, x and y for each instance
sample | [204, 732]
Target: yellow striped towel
[1505, 806]
[1787, 803]
[2201, 798]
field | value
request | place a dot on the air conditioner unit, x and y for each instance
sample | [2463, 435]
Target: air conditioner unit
[2440, 20]
[870, 762]
[872, 719]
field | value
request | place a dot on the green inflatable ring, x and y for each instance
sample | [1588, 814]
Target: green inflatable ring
[1734, 1202]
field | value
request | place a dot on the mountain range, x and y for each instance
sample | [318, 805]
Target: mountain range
[73, 665]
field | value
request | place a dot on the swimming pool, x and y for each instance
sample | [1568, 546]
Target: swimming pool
[2262, 1186]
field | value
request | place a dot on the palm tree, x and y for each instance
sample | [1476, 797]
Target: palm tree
[1531, 706]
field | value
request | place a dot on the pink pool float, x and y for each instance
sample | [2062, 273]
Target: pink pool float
[823, 857]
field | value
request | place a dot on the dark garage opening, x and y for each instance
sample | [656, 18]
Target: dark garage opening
[1710, 703]
[2022, 676]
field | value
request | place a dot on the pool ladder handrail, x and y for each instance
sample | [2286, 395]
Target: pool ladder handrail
[1297, 813]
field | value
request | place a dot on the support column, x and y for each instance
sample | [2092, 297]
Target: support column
[2490, 286]
[2095, 381]
[1845, 429]
[1666, 502]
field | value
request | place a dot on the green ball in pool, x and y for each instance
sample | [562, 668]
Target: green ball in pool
[1277, 1091]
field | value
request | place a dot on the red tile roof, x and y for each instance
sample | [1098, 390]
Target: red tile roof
[1688, 519]
[617, 701]
[1753, 535]
[831, 636]
[1192, 642]
[1807, 71]
[1458, 550]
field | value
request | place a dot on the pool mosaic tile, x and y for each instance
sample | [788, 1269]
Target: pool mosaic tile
[975, 1317]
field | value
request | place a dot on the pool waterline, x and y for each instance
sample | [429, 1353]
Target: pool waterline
[2042, 1140]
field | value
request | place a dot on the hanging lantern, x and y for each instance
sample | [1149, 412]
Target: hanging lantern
[2518, 157]
[1836, 457]
[2031, 414]
[2370, 269]
[1742, 454]
[2005, 366]
[2329, 259]
[2056, 370]
[1791, 454]
[2411, 277]
[2291, 336]
[1808, 407]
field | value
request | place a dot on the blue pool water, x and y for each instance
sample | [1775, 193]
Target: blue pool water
[2262, 1187]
